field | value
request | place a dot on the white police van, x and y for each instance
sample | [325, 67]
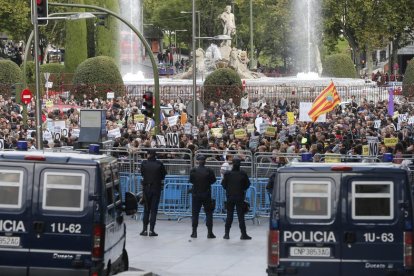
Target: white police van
[341, 219]
[61, 214]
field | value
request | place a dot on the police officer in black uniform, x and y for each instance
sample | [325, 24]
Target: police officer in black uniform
[235, 182]
[202, 178]
[153, 173]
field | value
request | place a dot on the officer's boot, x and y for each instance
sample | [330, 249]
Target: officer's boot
[152, 232]
[226, 233]
[210, 234]
[144, 230]
[194, 233]
[244, 236]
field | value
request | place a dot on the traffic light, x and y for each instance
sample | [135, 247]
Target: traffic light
[148, 104]
[102, 20]
[42, 11]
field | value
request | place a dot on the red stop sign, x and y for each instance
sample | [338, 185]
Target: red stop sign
[26, 96]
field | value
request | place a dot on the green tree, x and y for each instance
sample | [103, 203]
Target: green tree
[76, 50]
[399, 21]
[368, 24]
[15, 18]
[107, 43]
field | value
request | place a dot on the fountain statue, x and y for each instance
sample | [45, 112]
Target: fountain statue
[224, 56]
[238, 61]
[213, 55]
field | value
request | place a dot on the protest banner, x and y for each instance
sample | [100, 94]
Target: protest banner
[240, 133]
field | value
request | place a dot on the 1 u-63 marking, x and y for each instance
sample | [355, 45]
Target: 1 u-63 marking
[383, 237]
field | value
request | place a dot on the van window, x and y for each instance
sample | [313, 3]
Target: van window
[63, 191]
[11, 189]
[310, 200]
[372, 200]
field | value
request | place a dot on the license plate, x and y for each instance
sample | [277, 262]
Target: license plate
[310, 252]
[10, 241]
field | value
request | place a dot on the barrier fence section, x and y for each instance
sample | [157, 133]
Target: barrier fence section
[269, 92]
[176, 198]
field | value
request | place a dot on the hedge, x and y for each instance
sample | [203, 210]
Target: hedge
[10, 74]
[223, 83]
[408, 82]
[339, 66]
[96, 76]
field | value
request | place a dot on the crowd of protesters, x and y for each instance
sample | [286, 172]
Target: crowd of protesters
[345, 130]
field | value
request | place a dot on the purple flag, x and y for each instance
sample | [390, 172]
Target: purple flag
[391, 102]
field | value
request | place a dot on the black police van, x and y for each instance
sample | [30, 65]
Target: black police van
[61, 214]
[341, 219]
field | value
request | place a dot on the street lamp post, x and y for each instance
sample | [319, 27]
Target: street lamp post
[252, 60]
[175, 40]
[198, 16]
[39, 134]
[194, 64]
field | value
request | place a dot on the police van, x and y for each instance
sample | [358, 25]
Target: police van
[341, 219]
[61, 214]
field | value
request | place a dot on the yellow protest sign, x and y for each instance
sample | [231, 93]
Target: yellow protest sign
[332, 158]
[270, 131]
[365, 150]
[390, 142]
[139, 117]
[49, 103]
[250, 128]
[217, 132]
[290, 118]
[240, 133]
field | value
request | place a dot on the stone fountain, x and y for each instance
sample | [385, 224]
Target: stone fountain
[220, 54]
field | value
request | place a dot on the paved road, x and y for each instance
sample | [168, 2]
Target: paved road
[173, 252]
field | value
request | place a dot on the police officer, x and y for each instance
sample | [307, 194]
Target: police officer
[235, 182]
[202, 178]
[153, 173]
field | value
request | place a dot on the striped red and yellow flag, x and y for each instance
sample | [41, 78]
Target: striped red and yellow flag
[325, 102]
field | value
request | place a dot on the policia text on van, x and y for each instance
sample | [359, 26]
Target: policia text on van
[61, 214]
[341, 219]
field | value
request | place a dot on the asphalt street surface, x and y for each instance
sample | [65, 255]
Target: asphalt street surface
[173, 252]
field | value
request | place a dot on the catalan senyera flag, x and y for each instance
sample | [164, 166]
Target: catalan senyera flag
[325, 102]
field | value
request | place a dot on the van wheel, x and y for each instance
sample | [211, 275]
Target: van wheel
[125, 261]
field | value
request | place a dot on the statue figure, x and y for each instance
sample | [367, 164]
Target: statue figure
[229, 25]
[238, 61]
[200, 66]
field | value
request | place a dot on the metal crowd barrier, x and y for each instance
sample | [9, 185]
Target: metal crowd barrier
[262, 197]
[176, 200]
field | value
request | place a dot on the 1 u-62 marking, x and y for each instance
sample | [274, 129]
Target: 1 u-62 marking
[61, 227]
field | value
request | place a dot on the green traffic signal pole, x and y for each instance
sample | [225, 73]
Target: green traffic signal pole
[147, 48]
